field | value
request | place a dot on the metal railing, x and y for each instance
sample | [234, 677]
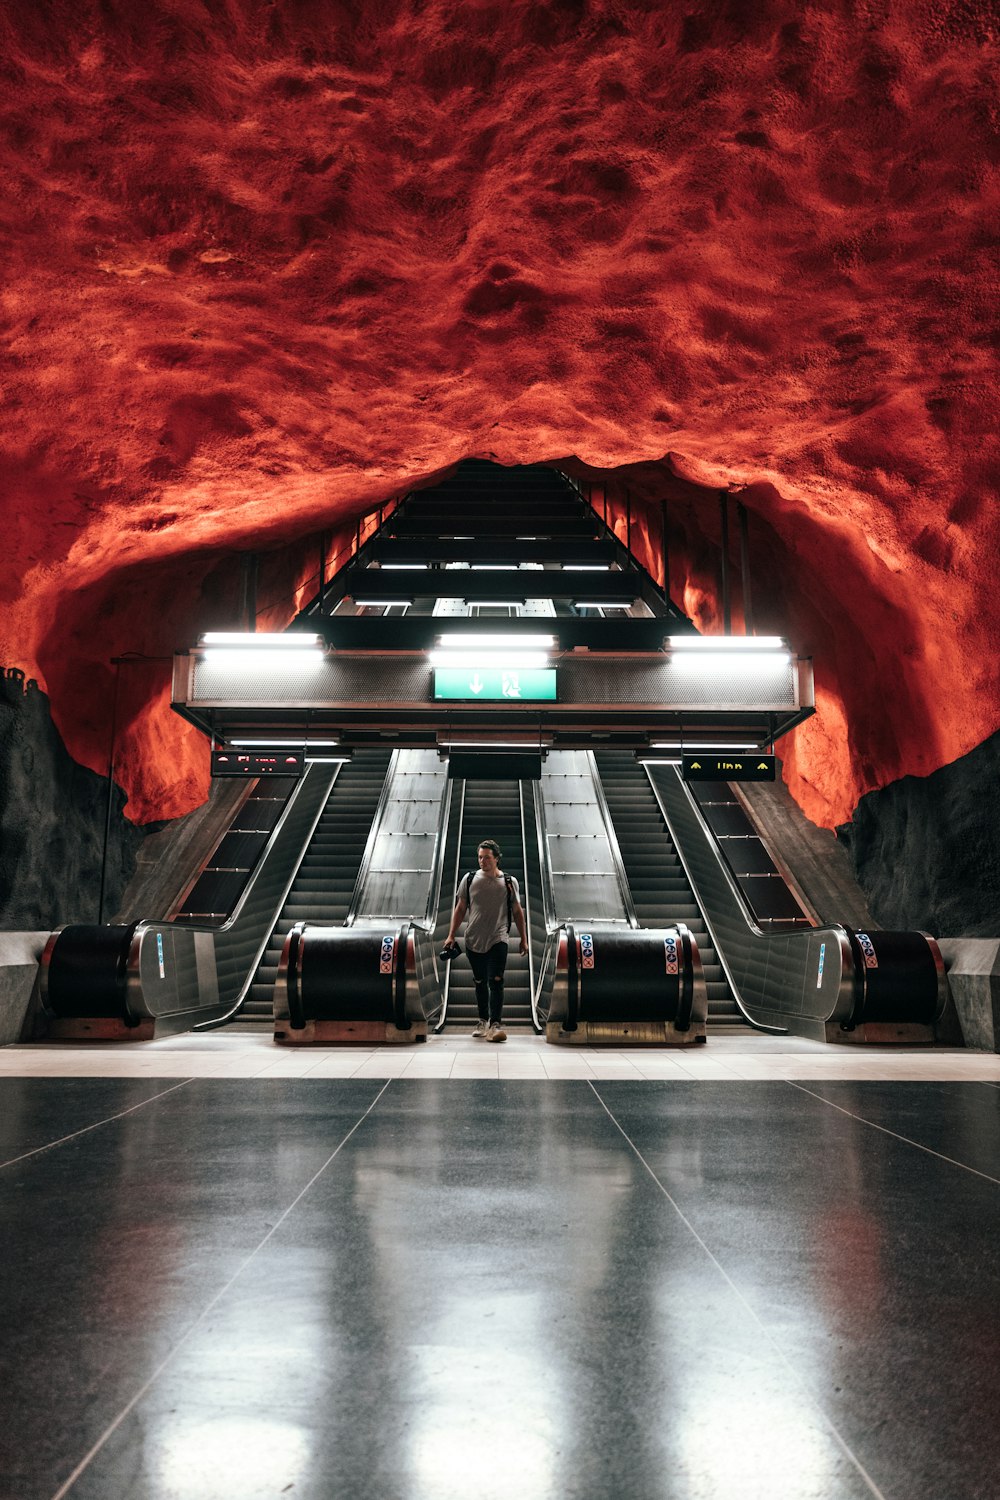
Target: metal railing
[774, 977]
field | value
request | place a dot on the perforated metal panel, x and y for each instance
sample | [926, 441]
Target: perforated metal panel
[373, 681]
[331, 679]
[582, 872]
[660, 682]
[401, 863]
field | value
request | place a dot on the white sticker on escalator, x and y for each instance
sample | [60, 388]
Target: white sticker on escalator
[670, 954]
[586, 950]
[819, 971]
[385, 957]
[159, 954]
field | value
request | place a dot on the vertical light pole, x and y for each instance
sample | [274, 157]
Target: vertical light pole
[665, 546]
[727, 613]
[116, 662]
[741, 512]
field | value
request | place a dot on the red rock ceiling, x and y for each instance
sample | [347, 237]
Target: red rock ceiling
[266, 263]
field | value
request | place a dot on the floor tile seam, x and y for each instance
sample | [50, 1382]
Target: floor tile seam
[895, 1135]
[779, 1352]
[151, 1379]
[96, 1124]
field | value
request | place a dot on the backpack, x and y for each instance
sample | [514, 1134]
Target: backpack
[467, 881]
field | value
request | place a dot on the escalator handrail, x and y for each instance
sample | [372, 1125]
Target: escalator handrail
[446, 982]
[333, 773]
[437, 862]
[736, 892]
[612, 837]
[550, 958]
[525, 905]
[544, 865]
[833, 929]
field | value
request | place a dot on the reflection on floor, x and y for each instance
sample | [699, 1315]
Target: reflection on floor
[254, 1286]
[746, 1055]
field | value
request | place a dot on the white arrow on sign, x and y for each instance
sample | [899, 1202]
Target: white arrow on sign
[475, 684]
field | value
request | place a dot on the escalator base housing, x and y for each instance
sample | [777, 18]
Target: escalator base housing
[886, 1034]
[624, 1034]
[96, 1029]
[364, 1033]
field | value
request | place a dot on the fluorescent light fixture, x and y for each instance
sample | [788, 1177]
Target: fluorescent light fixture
[726, 643]
[652, 760]
[493, 567]
[466, 640]
[493, 603]
[299, 744]
[590, 567]
[245, 640]
[403, 568]
[487, 661]
[327, 760]
[600, 604]
[700, 745]
[381, 603]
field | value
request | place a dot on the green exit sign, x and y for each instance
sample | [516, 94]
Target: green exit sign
[731, 767]
[494, 685]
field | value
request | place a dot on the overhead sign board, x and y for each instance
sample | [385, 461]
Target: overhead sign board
[494, 685]
[728, 767]
[257, 763]
[495, 765]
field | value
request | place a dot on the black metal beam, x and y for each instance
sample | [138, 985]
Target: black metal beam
[494, 585]
[419, 632]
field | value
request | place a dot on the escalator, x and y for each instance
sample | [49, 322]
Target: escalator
[826, 982]
[661, 892]
[324, 885]
[492, 810]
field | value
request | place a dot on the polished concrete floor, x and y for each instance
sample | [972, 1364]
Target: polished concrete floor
[472, 1288]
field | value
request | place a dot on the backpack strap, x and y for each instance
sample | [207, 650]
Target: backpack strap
[468, 888]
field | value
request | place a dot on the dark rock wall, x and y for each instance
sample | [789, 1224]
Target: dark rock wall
[52, 818]
[926, 849]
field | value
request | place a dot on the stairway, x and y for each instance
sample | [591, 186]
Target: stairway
[492, 811]
[660, 890]
[323, 887]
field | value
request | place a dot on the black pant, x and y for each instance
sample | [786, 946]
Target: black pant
[488, 970]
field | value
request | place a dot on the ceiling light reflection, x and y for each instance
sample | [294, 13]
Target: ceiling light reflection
[247, 1456]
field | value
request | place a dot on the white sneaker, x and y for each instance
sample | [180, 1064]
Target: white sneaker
[482, 1029]
[495, 1032]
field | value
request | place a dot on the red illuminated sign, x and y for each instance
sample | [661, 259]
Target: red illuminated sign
[258, 762]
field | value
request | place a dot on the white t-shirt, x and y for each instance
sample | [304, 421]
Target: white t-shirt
[486, 917]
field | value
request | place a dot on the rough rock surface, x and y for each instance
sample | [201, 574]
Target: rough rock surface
[52, 819]
[263, 263]
[926, 850]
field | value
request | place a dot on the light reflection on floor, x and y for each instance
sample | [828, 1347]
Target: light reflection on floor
[253, 1055]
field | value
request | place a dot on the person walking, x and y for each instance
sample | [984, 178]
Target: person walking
[494, 904]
